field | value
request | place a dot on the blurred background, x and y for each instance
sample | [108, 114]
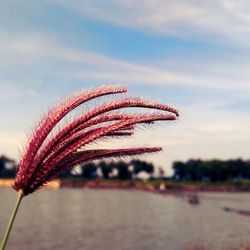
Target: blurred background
[193, 55]
[187, 54]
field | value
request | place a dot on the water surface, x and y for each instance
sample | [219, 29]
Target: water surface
[69, 219]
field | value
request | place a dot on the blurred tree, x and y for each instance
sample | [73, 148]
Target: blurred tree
[106, 169]
[213, 170]
[142, 166]
[123, 171]
[89, 170]
[179, 170]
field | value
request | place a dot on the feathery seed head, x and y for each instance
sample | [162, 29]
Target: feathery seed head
[46, 157]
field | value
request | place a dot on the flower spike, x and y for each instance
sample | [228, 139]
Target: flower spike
[47, 156]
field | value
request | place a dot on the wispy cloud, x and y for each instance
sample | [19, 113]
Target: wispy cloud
[224, 21]
[11, 90]
[38, 48]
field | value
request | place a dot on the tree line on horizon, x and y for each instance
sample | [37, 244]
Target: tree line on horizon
[106, 169]
[211, 170]
[191, 170]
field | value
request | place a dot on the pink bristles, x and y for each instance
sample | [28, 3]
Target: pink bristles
[51, 163]
[91, 155]
[81, 122]
[79, 140]
[118, 133]
[45, 158]
[79, 157]
[72, 129]
[53, 117]
[57, 113]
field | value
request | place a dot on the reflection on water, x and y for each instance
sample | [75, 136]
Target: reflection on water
[69, 219]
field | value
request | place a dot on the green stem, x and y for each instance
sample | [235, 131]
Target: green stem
[11, 221]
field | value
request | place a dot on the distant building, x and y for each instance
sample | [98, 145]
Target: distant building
[113, 173]
[77, 170]
[99, 173]
[142, 175]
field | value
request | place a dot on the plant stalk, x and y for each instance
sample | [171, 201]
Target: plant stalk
[11, 221]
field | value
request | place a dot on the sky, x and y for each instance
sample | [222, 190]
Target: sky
[190, 54]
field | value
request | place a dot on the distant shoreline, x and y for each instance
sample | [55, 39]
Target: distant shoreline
[154, 186]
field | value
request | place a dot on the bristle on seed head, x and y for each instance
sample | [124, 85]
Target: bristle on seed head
[45, 157]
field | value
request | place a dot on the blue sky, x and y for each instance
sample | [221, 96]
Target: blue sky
[193, 55]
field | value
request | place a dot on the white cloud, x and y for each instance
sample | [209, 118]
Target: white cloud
[24, 49]
[224, 21]
[11, 90]
[37, 49]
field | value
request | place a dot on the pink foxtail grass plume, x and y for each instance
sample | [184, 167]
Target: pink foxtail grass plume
[46, 156]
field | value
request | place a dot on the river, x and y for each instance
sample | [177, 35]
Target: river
[72, 219]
